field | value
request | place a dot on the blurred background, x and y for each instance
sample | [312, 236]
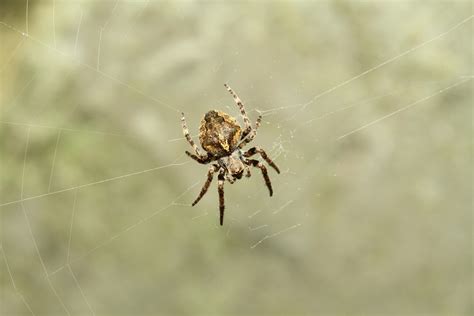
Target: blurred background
[367, 111]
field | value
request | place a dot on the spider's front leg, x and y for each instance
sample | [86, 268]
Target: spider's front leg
[239, 103]
[251, 134]
[197, 153]
[204, 160]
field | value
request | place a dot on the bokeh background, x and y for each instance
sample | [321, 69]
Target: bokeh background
[96, 189]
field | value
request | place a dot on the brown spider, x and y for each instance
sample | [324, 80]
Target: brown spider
[222, 138]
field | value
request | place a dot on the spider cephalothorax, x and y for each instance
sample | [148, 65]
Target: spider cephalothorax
[223, 139]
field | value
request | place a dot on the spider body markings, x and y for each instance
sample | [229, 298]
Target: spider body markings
[222, 139]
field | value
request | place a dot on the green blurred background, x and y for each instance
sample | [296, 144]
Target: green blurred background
[96, 189]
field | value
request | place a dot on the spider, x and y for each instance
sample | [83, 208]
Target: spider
[223, 139]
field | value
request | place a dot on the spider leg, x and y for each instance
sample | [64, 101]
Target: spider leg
[220, 190]
[247, 172]
[257, 150]
[203, 160]
[197, 152]
[259, 165]
[205, 187]
[258, 122]
[247, 138]
[239, 103]
[230, 178]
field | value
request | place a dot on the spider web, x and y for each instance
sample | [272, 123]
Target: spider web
[97, 190]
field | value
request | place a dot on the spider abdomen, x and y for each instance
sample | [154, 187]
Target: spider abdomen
[219, 133]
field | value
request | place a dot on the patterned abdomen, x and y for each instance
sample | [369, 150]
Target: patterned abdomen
[219, 133]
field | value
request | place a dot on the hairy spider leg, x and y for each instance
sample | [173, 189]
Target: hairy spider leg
[239, 103]
[247, 172]
[259, 165]
[197, 153]
[257, 150]
[205, 187]
[220, 190]
[251, 135]
[204, 160]
[230, 178]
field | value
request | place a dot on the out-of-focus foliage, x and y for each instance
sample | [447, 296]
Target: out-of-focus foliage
[376, 223]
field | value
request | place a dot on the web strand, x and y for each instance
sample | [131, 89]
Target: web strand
[403, 109]
[65, 129]
[54, 161]
[30, 230]
[94, 183]
[13, 54]
[84, 297]
[50, 283]
[71, 226]
[54, 24]
[18, 96]
[26, 17]
[101, 73]
[17, 291]
[77, 33]
[125, 230]
[275, 234]
[370, 70]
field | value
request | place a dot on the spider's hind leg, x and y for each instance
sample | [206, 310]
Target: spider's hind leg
[257, 150]
[220, 190]
[259, 165]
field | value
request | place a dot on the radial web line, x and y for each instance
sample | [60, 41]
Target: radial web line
[253, 214]
[79, 62]
[26, 17]
[347, 107]
[30, 230]
[98, 48]
[199, 216]
[54, 161]
[94, 183]
[101, 30]
[403, 108]
[54, 23]
[80, 289]
[69, 251]
[388, 61]
[365, 101]
[13, 101]
[13, 281]
[275, 234]
[77, 33]
[71, 226]
[106, 23]
[41, 259]
[24, 163]
[137, 16]
[14, 52]
[283, 206]
[66, 129]
[258, 227]
[123, 231]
